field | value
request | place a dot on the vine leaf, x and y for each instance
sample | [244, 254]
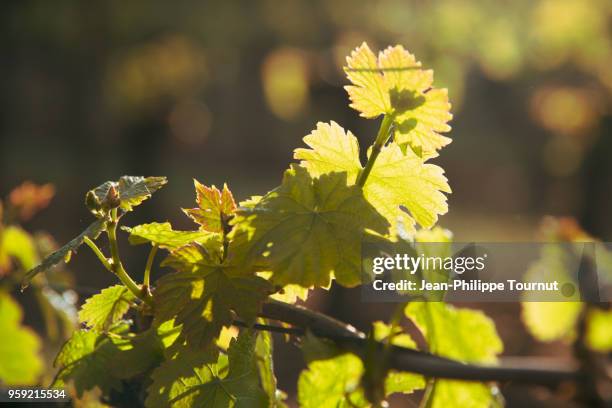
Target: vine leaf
[549, 321]
[598, 335]
[91, 359]
[126, 193]
[20, 347]
[17, 244]
[332, 378]
[205, 293]
[307, 230]
[85, 360]
[163, 236]
[64, 253]
[214, 207]
[103, 310]
[394, 84]
[396, 180]
[473, 339]
[396, 381]
[230, 381]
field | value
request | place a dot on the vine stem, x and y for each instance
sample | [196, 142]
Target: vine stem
[98, 252]
[146, 281]
[384, 133]
[117, 266]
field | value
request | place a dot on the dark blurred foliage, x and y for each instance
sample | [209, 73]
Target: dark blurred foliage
[224, 91]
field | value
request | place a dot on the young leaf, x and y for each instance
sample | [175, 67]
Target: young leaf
[396, 381]
[163, 236]
[205, 292]
[231, 381]
[215, 207]
[550, 321]
[307, 230]
[126, 193]
[332, 378]
[396, 85]
[20, 347]
[396, 180]
[64, 253]
[599, 330]
[103, 310]
[462, 334]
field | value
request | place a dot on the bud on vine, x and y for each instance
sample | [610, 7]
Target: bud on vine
[112, 199]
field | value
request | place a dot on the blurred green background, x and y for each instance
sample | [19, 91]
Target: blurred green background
[224, 91]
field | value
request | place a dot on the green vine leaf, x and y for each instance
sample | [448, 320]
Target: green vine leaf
[396, 381]
[64, 253]
[598, 335]
[332, 378]
[396, 180]
[126, 193]
[394, 84]
[90, 359]
[473, 339]
[19, 348]
[231, 381]
[85, 360]
[163, 236]
[100, 312]
[215, 207]
[18, 244]
[205, 293]
[308, 230]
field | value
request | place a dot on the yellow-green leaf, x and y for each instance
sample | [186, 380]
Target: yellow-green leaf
[163, 236]
[395, 84]
[396, 180]
[215, 207]
[205, 293]
[599, 330]
[103, 310]
[228, 382]
[461, 334]
[308, 230]
[20, 361]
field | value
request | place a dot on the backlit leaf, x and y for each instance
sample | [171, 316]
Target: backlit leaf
[396, 180]
[163, 236]
[91, 359]
[215, 207]
[230, 381]
[396, 381]
[103, 310]
[307, 230]
[126, 193]
[17, 244]
[461, 334]
[332, 380]
[394, 84]
[205, 293]
[20, 362]
[599, 330]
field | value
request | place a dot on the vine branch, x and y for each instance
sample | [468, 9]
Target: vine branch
[420, 362]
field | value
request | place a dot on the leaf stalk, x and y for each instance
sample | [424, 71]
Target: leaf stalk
[384, 133]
